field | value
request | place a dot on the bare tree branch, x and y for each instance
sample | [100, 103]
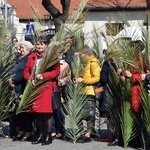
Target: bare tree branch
[55, 13]
[65, 6]
[148, 4]
[48, 5]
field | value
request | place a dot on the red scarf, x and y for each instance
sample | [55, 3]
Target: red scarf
[39, 55]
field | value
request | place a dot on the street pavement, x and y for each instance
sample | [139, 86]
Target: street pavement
[57, 144]
[8, 144]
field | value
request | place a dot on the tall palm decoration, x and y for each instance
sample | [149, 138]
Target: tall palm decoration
[74, 110]
[124, 57]
[128, 125]
[75, 100]
[97, 36]
[56, 46]
[119, 92]
[6, 63]
[145, 92]
[98, 43]
[114, 95]
[39, 22]
[120, 107]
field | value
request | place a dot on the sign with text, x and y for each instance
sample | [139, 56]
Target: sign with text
[49, 33]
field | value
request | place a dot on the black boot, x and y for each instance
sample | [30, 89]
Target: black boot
[114, 143]
[47, 139]
[118, 141]
[37, 139]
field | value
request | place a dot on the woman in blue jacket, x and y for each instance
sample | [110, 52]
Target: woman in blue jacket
[22, 121]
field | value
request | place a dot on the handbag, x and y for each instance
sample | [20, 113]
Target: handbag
[56, 99]
[99, 91]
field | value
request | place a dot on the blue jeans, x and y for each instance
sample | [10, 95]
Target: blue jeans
[58, 122]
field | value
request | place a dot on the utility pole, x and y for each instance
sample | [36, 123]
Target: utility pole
[6, 13]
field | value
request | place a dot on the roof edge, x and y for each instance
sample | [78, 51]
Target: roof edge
[93, 9]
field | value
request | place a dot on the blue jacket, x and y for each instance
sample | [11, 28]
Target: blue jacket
[68, 56]
[18, 78]
[104, 78]
[106, 71]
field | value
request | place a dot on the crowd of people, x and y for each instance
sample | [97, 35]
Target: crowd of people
[39, 123]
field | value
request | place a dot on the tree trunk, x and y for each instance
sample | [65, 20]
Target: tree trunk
[58, 17]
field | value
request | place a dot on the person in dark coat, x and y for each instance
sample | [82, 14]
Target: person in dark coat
[68, 54]
[104, 78]
[23, 122]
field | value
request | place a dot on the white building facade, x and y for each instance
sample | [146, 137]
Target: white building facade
[98, 21]
[95, 19]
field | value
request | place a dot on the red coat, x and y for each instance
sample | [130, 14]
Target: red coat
[136, 79]
[43, 101]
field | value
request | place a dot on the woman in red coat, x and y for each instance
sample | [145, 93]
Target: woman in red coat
[42, 103]
[137, 75]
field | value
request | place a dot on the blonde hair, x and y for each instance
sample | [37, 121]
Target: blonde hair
[88, 51]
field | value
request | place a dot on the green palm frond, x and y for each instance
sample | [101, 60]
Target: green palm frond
[6, 103]
[119, 107]
[56, 46]
[146, 107]
[114, 97]
[98, 43]
[145, 93]
[74, 109]
[124, 56]
[124, 18]
[147, 40]
[37, 19]
[3, 36]
[6, 64]
[128, 125]
[30, 95]
[120, 47]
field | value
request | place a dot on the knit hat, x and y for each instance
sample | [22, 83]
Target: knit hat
[28, 44]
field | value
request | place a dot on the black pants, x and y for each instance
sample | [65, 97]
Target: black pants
[23, 121]
[43, 122]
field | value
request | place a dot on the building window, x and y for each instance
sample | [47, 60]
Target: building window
[113, 29]
[146, 23]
